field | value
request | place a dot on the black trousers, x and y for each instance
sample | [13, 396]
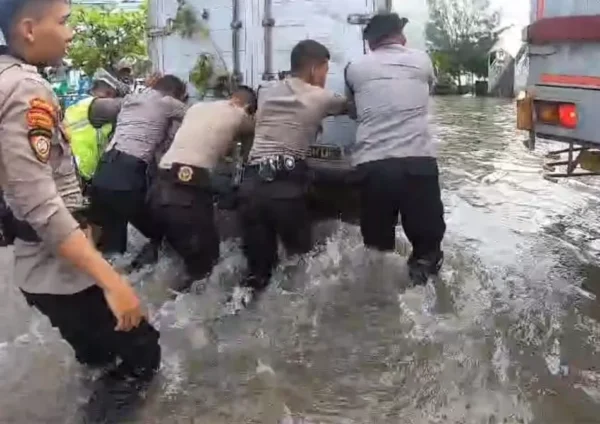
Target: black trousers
[119, 196]
[87, 324]
[407, 186]
[7, 230]
[270, 211]
[185, 215]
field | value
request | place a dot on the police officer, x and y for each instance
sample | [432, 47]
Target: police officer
[88, 143]
[394, 150]
[181, 198]
[272, 195]
[120, 184]
[55, 265]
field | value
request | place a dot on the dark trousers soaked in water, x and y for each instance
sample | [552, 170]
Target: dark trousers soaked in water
[87, 324]
[409, 186]
[119, 196]
[272, 210]
[185, 213]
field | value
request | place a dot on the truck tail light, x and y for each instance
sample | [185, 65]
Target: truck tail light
[567, 115]
[557, 113]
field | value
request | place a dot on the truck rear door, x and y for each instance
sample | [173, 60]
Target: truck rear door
[564, 63]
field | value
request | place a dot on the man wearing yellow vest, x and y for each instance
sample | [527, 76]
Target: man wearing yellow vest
[88, 143]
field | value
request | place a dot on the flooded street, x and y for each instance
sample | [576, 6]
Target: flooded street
[509, 333]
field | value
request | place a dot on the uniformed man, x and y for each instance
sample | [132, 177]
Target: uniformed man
[181, 198]
[394, 149]
[119, 187]
[88, 143]
[55, 265]
[124, 70]
[272, 194]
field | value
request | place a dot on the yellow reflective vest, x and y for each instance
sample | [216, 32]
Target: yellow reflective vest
[87, 142]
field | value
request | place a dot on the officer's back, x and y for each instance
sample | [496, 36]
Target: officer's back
[289, 115]
[391, 93]
[394, 152]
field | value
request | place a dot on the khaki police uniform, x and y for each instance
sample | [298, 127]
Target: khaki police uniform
[182, 198]
[120, 184]
[272, 195]
[395, 154]
[40, 182]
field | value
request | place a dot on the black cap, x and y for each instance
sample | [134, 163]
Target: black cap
[383, 25]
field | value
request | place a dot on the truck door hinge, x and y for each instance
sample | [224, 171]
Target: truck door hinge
[235, 25]
[268, 22]
[359, 18]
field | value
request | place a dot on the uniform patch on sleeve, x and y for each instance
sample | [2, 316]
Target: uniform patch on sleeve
[41, 123]
[41, 116]
[41, 146]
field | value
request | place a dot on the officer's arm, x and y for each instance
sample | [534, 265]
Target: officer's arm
[27, 129]
[335, 104]
[349, 91]
[247, 126]
[104, 111]
[28, 125]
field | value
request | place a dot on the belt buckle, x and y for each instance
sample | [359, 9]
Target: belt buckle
[267, 169]
[289, 162]
[185, 174]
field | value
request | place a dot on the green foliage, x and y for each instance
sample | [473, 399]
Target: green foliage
[460, 33]
[186, 22]
[206, 76]
[104, 36]
[201, 73]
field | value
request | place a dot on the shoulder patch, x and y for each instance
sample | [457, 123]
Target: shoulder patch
[40, 144]
[41, 123]
[41, 116]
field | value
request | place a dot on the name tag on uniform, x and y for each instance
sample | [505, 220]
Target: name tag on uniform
[325, 152]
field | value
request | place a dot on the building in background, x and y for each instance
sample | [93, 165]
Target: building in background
[507, 64]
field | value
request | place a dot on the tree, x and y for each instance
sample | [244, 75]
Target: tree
[104, 36]
[460, 33]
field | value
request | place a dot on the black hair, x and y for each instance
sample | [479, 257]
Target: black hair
[308, 53]
[171, 86]
[249, 96]
[14, 9]
[383, 26]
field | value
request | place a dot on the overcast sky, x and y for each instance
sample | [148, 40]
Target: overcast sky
[515, 12]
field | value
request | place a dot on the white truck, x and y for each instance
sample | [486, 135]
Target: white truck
[251, 41]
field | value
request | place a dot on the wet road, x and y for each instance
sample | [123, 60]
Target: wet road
[509, 333]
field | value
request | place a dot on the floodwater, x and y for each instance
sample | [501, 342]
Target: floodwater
[509, 333]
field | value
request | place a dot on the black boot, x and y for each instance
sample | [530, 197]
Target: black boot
[147, 256]
[420, 269]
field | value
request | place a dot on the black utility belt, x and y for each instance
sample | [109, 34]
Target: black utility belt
[125, 159]
[186, 175]
[272, 168]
